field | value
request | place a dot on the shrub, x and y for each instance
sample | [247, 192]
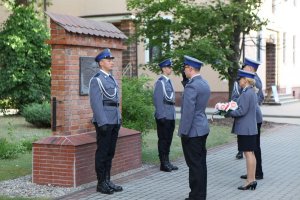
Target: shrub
[38, 114]
[137, 105]
[10, 150]
[27, 143]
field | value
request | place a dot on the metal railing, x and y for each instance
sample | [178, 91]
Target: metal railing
[127, 71]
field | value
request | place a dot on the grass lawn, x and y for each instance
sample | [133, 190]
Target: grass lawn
[218, 135]
[14, 129]
[14, 168]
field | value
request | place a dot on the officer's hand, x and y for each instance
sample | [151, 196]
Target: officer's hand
[227, 115]
[103, 130]
[184, 78]
[162, 120]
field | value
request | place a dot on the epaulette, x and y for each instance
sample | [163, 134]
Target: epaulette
[96, 75]
[161, 78]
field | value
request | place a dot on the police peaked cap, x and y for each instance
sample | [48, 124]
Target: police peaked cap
[193, 62]
[105, 54]
[166, 63]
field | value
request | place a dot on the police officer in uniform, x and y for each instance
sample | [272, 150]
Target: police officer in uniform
[245, 125]
[164, 102]
[252, 66]
[104, 101]
[236, 92]
[194, 128]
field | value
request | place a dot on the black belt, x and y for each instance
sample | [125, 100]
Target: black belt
[169, 103]
[105, 103]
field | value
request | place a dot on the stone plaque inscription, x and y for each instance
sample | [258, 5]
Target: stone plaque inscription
[88, 68]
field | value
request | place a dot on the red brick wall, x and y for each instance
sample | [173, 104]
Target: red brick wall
[53, 164]
[70, 160]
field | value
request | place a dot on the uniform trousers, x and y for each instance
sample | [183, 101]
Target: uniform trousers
[165, 132]
[194, 150]
[257, 153]
[106, 146]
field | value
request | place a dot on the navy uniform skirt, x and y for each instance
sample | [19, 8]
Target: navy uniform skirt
[247, 142]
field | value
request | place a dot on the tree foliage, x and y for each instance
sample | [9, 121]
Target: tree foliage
[24, 58]
[211, 32]
[137, 105]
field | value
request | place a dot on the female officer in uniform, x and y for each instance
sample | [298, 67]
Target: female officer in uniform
[244, 125]
[252, 66]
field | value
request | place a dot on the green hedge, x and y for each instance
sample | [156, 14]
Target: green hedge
[38, 114]
[137, 104]
[10, 150]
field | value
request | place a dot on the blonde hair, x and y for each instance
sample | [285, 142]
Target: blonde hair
[251, 81]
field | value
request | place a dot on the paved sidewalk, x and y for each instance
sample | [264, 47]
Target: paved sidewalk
[281, 166]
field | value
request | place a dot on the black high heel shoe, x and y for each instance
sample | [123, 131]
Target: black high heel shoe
[250, 186]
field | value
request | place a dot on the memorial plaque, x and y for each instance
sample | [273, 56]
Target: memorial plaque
[88, 68]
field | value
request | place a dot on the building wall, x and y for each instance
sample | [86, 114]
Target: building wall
[88, 7]
[3, 14]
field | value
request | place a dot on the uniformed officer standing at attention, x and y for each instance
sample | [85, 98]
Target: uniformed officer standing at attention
[104, 100]
[194, 128]
[252, 66]
[164, 102]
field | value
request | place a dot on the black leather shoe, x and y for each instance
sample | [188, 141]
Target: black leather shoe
[239, 155]
[116, 188]
[173, 167]
[256, 177]
[250, 186]
[165, 168]
[104, 188]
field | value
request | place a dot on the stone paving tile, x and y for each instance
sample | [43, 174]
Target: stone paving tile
[281, 166]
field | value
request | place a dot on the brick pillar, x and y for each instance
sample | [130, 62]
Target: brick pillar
[67, 158]
[130, 54]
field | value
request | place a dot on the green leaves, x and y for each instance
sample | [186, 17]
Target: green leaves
[38, 114]
[210, 32]
[137, 106]
[24, 58]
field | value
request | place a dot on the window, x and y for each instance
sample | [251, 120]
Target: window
[294, 49]
[160, 42]
[154, 53]
[283, 47]
[258, 46]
